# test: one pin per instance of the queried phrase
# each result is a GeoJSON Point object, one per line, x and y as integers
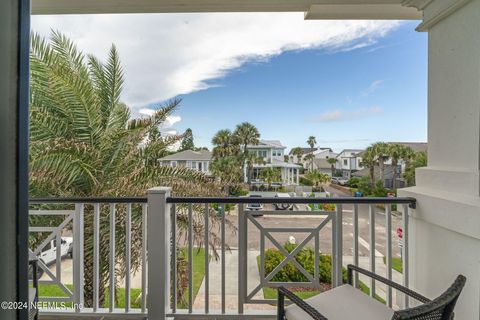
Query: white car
{"type": "Point", "coordinates": [49, 253]}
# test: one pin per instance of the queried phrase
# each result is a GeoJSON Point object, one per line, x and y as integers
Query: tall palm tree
{"type": "Point", "coordinates": [332, 162]}
{"type": "Point", "coordinates": [246, 134]}
{"type": "Point", "coordinates": [309, 158]}
{"type": "Point", "coordinates": [84, 143]}
{"type": "Point", "coordinates": [311, 141]}
{"type": "Point", "coordinates": [225, 144]}
{"type": "Point", "coordinates": [396, 152]}
{"type": "Point", "coordinates": [298, 152]}
{"type": "Point", "coordinates": [369, 160]}
{"type": "Point", "coordinates": [382, 153]}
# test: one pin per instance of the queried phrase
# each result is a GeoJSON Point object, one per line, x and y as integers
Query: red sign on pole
{"type": "Point", "coordinates": [400, 233]}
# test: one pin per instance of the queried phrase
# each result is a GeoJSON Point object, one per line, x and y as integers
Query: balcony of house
{"type": "Point", "coordinates": [211, 258]}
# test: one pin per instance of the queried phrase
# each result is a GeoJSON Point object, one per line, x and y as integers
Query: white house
{"type": "Point", "coordinates": [197, 160]}
{"type": "Point", "coordinates": [272, 152]}
{"type": "Point", "coordinates": [321, 153]}
{"type": "Point", "coordinates": [349, 161]}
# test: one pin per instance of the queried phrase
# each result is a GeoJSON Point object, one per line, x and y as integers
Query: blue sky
{"type": "Point", "coordinates": [349, 83]}
{"type": "Point", "coordinates": [346, 99]}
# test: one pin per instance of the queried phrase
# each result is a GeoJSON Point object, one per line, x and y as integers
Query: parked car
{"type": "Point", "coordinates": [48, 255]}
{"type": "Point", "coordinates": [255, 206]}
{"type": "Point", "coordinates": [283, 206]}
{"type": "Point", "coordinates": [339, 180]}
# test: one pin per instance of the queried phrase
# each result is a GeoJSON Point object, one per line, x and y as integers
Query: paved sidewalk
{"type": "Point", "coordinates": [231, 283]}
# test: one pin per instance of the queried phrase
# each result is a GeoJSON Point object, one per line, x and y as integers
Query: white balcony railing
{"type": "Point", "coordinates": [164, 223]}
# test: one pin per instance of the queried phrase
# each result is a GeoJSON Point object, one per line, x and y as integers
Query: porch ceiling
{"type": "Point", "coordinates": [314, 9]}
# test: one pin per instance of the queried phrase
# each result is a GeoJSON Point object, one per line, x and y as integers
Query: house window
{"type": "Point", "coordinates": [345, 162]}
{"type": "Point", "coordinates": [173, 163]}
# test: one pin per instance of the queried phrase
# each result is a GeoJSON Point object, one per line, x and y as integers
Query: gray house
{"type": "Point", "coordinates": [197, 160]}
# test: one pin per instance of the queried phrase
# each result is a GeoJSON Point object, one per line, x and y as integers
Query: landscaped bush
{"type": "Point", "coordinates": [305, 182]}
{"type": "Point", "coordinates": [353, 182]}
{"type": "Point", "coordinates": [306, 258]}
{"type": "Point", "coordinates": [238, 190]}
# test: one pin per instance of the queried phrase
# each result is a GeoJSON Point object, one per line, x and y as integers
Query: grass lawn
{"type": "Point", "coordinates": [198, 275]}
{"type": "Point", "coordinates": [51, 290]}
{"type": "Point", "coordinates": [396, 264]}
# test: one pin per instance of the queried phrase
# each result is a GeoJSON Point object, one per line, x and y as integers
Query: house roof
{"type": "Point", "coordinates": [189, 155]}
{"type": "Point", "coordinates": [416, 146]}
{"type": "Point", "coordinates": [267, 144]}
{"type": "Point", "coordinates": [321, 163]}
{"type": "Point", "coordinates": [357, 152]}
{"type": "Point", "coordinates": [304, 150]}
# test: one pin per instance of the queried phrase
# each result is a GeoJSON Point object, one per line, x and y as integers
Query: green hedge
{"type": "Point", "coordinates": [306, 258]}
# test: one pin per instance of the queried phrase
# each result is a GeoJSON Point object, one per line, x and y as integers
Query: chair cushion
{"type": "Point", "coordinates": [342, 303]}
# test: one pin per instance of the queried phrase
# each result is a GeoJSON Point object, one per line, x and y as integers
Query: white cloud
{"type": "Point", "coordinates": [374, 86]}
{"type": "Point", "coordinates": [342, 115]}
{"type": "Point", "coordinates": [169, 54]}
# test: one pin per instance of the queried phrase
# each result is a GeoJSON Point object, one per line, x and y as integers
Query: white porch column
{"type": "Point", "coordinates": [445, 227]}
{"type": "Point", "coordinates": [298, 182]}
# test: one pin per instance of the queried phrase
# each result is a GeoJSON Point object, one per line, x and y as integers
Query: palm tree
{"type": "Point", "coordinates": [369, 160]}
{"type": "Point", "coordinates": [396, 152]}
{"type": "Point", "coordinates": [246, 134]}
{"type": "Point", "coordinates": [228, 170]}
{"type": "Point", "coordinates": [317, 177]}
{"type": "Point", "coordinates": [381, 152]}
{"type": "Point", "coordinates": [83, 143]}
{"type": "Point", "coordinates": [419, 160]}
{"type": "Point", "coordinates": [270, 175]}
{"type": "Point", "coordinates": [332, 162]}
{"type": "Point", "coordinates": [311, 141]}
{"type": "Point", "coordinates": [298, 152]}
{"type": "Point", "coordinates": [309, 158]}
{"type": "Point", "coordinates": [187, 142]}
{"type": "Point", "coordinates": [225, 144]}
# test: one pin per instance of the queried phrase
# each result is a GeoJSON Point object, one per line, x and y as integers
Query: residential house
{"type": "Point", "coordinates": [319, 153]}
{"type": "Point", "coordinates": [349, 161]}
{"type": "Point", "coordinates": [388, 168]}
{"type": "Point", "coordinates": [272, 152]}
{"type": "Point", "coordinates": [197, 160]}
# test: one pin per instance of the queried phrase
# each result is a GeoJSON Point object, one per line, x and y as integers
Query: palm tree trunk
{"type": "Point", "coordinates": [394, 182]}
{"type": "Point", "coordinates": [382, 171]}
{"type": "Point", "coordinates": [372, 176]}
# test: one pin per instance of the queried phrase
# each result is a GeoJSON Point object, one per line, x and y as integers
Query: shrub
{"type": "Point", "coordinates": [353, 182]}
{"type": "Point", "coordinates": [238, 190]}
{"type": "Point", "coordinates": [305, 257]}
{"type": "Point", "coordinates": [305, 182]}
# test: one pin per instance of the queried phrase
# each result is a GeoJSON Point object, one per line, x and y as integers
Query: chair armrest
{"type": "Point", "coordinates": [282, 292]}
{"type": "Point", "coordinates": [390, 283]}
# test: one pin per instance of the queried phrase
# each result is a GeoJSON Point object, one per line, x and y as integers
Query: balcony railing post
{"type": "Point", "coordinates": [78, 277]}
{"type": "Point", "coordinates": [158, 250]}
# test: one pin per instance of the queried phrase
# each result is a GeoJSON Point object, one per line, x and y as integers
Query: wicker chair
{"type": "Point", "coordinates": [346, 302]}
